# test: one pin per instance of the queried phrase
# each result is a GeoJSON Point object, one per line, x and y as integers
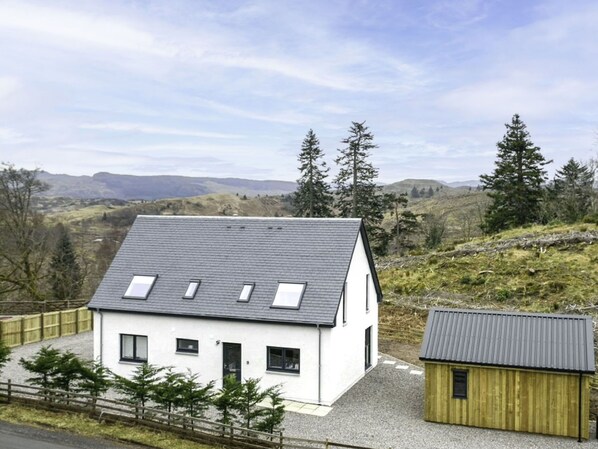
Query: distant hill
{"type": "Point", "coordinates": [469, 183]}
{"type": "Point", "coordinates": [406, 185]}
{"type": "Point", "coordinates": [127, 187]}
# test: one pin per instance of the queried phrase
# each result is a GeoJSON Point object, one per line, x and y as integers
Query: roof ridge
{"type": "Point", "coordinates": [228, 217]}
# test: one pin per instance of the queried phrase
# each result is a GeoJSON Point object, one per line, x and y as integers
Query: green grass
{"type": "Point", "coordinates": [81, 425]}
{"type": "Point", "coordinates": [526, 279]}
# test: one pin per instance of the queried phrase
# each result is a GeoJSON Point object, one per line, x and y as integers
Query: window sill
{"type": "Point", "coordinates": [194, 354]}
{"type": "Point", "coordinates": [284, 373]}
{"type": "Point", "coordinates": [131, 362]}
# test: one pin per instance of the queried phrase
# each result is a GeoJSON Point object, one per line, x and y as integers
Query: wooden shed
{"type": "Point", "coordinates": [512, 371]}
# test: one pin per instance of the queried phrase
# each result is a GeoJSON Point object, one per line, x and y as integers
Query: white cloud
{"type": "Point", "coordinates": [77, 28]}
{"type": "Point", "coordinates": [150, 129]}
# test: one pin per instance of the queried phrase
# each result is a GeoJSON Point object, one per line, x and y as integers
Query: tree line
{"type": "Point", "coordinates": [244, 404]}
{"type": "Point", "coordinates": [519, 190]}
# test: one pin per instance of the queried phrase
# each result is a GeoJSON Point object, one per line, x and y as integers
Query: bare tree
{"type": "Point", "coordinates": [23, 241]}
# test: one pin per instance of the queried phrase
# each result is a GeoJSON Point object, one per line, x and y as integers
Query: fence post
{"type": "Point", "coordinates": [231, 431]}
{"type": "Point", "coordinates": [22, 330]}
{"type": "Point", "coordinates": [1, 331]}
{"type": "Point", "coordinates": [327, 443]}
{"type": "Point", "coordinates": [76, 321]}
{"type": "Point", "coordinates": [8, 390]}
{"type": "Point", "coordinates": [281, 439]}
{"type": "Point", "coordinates": [42, 325]}
{"type": "Point", "coordinates": [60, 323]}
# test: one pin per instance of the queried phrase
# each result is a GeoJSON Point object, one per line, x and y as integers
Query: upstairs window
{"type": "Point", "coordinates": [192, 289]}
{"type": "Point", "coordinates": [246, 292]}
{"type": "Point", "coordinates": [140, 287]}
{"type": "Point", "coordinates": [288, 295]}
{"type": "Point", "coordinates": [367, 292]}
{"type": "Point", "coordinates": [345, 304]}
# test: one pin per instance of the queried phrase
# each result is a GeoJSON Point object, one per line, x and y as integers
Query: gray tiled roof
{"type": "Point", "coordinates": [523, 340]}
{"type": "Point", "coordinates": [225, 252]}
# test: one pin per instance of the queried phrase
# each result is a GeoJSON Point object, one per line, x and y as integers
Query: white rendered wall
{"type": "Point", "coordinates": [162, 332]}
{"type": "Point", "coordinates": [343, 359]}
{"type": "Point", "coordinates": [342, 349]}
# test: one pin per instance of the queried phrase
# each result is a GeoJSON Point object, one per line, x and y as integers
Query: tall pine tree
{"type": "Point", "coordinates": [515, 186]}
{"type": "Point", "coordinates": [572, 191]}
{"type": "Point", "coordinates": [65, 273]}
{"type": "Point", "coordinates": [313, 197]}
{"type": "Point", "coordinates": [357, 192]}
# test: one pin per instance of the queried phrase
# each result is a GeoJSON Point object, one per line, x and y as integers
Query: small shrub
{"type": "Point", "coordinates": [466, 280]}
{"type": "Point", "coordinates": [503, 294]}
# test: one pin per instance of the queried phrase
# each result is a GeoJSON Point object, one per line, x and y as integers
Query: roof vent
{"type": "Point", "coordinates": [228, 227]}
{"type": "Point", "coordinates": [270, 227]}
{"type": "Point", "coordinates": [241, 227]}
{"type": "Point", "coordinates": [280, 227]}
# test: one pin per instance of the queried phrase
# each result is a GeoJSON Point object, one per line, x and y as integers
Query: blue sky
{"type": "Point", "coordinates": [230, 88]}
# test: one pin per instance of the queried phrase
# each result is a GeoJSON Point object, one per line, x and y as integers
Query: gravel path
{"type": "Point", "coordinates": [80, 344]}
{"type": "Point", "coordinates": [384, 410]}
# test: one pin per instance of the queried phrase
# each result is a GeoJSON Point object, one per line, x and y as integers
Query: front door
{"type": "Point", "coordinates": [368, 347]}
{"type": "Point", "coordinates": [231, 356]}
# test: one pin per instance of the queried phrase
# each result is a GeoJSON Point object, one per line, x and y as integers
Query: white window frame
{"type": "Point", "coordinates": [191, 295]}
{"type": "Point", "coordinates": [248, 290]}
{"type": "Point", "coordinates": [148, 280]}
{"type": "Point", "coordinates": [279, 291]}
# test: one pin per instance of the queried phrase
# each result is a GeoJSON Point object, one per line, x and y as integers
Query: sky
{"type": "Point", "coordinates": [230, 88]}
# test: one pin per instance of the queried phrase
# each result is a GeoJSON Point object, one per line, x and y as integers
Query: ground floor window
{"type": "Point", "coordinates": [283, 359]}
{"type": "Point", "coordinates": [460, 384]}
{"type": "Point", "coordinates": [186, 345]}
{"type": "Point", "coordinates": [133, 348]}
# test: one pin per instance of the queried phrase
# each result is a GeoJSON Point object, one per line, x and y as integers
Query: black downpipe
{"type": "Point", "coordinates": [319, 364]}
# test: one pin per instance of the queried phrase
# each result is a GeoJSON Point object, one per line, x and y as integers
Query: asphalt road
{"type": "Point", "coordinates": [14, 436]}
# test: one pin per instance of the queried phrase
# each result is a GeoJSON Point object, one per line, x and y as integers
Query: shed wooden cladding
{"type": "Point", "coordinates": [509, 399]}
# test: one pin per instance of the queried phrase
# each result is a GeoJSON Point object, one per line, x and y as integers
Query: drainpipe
{"type": "Point", "coordinates": [579, 412]}
{"type": "Point", "coordinates": [319, 364]}
{"type": "Point", "coordinates": [101, 336]}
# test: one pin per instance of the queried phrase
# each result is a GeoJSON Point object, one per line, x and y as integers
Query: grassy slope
{"type": "Point", "coordinates": [82, 425]}
{"type": "Point", "coordinates": [561, 278]}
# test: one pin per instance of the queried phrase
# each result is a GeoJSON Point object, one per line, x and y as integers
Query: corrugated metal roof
{"type": "Point", "coordinates": [524, 340]}
{"type": "Point", "coordinates": [226, 252]}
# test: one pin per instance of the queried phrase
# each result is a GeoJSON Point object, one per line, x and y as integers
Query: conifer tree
{"type": "Point", "coordinates": [572, 190]}
{"type": "Point", "coordinates": [414, 192]}
{"type": "Point", "coordinates": [65, 272]}
{"type": "Point", "coordinates": [313, 197]}
{"type": "Point", "coordinates": [515, 186]}
{"type": "Point", "coordinates": [357, 192]}
{"type": "Point", "coordinates": [4, 354]}
{"type": "Point", "coordinates": [274, 413]}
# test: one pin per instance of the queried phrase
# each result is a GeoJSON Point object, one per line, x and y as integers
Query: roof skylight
{"type": "Point", "coordinates": [288, 295]}
{"type": "Point", "coordinates": [246, 293]}
{"type": "Point", "coordinates": [191, 289]}
{"type": "Point", "coordinates": [140, 287]}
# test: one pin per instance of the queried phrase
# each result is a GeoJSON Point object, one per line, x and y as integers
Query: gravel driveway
{"type": "Point", "coordinates": [384, 410]}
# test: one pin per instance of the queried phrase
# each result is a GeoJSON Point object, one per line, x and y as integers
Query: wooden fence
{"type": "Point", "coordinates": [194, 429]}
{"type": "Point", "coordinates": [401, 334]}
{"type": "Point", "coordinates": [30, 307]}
{"type": "Point", "coordinates": [44, 326]}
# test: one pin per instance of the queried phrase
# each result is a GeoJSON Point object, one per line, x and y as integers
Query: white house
{"type": "Point", "coordinates": [293, 301]}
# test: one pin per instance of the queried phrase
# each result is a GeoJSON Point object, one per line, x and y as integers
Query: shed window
{"type": "Point", "coordinates": [246, 292]}
{"type": "Point", "coordinates": [191, 289]}
{"type": "Point", "coordinates": [283, 359]}
{"type": "Point", "coordinates": [459, 384]}
{"type": "Point", "coordinates": [186, 345]}
{"type": "Point", "coordinates": [140, 287]}
{"type": "Point", "coordinates": [288, 295]}
{"type": "Point", "coordinates": [133, 348]}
